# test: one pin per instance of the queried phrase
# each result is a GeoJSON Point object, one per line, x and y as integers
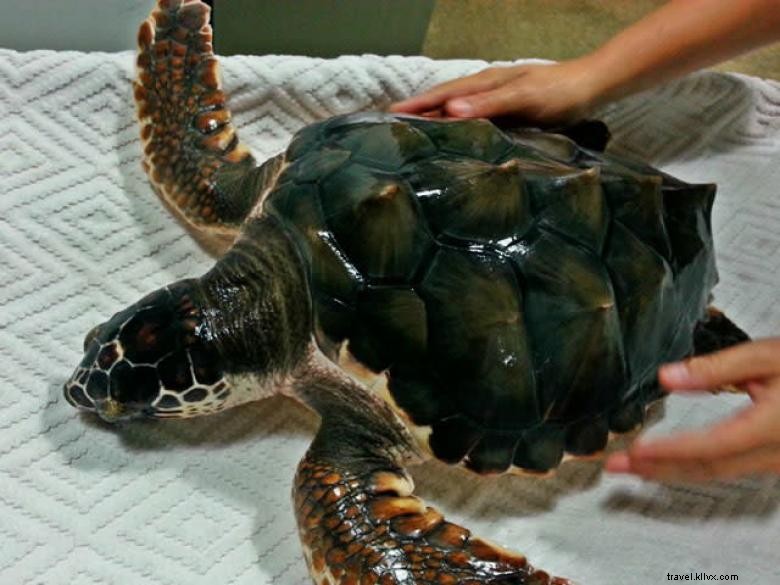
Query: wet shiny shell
{"type": "Point", "coordinates": [520, 293]}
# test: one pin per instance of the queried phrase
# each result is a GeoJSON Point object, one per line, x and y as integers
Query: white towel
{"type": "Point", "coordinates": [207, 501]}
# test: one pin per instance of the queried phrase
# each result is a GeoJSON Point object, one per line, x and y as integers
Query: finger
{"type": "Point", "coordinates": [438, 95]}
{"type": "Point", "coordinates": [765, 459]}
{"type": "Point", "coordinates": [503, 100]}
{"type": "Point", "coordinates": [746, 430]}
{"type": "Point", "coordinates": [663, 469]}
{"type": "Point", "coordinates": [762, 391]}
{"type": "Point", "coordinates": [619, 462]}
{"type": "Point", "coordinates": [735, 435]}
{"type": "Point", "coordinates": [690, 471]}
{"type": "Point", "coordinates": [744, 362]}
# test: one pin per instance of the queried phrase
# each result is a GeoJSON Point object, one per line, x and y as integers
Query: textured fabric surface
{"type": "Point", "coordinates": [207, 501]}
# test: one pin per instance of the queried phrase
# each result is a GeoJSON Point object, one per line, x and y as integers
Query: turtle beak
{"type": "Point", "coordinates": [112, 411]}
{"type": "Point", "coordinates": [108, 409]}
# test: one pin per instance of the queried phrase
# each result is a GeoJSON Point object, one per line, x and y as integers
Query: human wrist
{"type": "Point", "coordinates": [601, 79]}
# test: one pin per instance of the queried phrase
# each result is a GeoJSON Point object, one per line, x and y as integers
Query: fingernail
{"type": "Point", "coordinates": [676, 373]}
{"type": "Point", "coordinates": [618, 463]}
{"type": "Point", "coordinates": [460, 108]}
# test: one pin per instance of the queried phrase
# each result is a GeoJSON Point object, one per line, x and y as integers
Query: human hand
{"type": "Point", "coordinates": [545, 94]}
{"type": "Point", "coordinates": [748, 442]}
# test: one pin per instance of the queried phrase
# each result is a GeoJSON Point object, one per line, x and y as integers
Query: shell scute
{"type": "Point", "coordinates": [476, 138]}
{"type": "Point", "coordinates": [346, 122]}
{"type": "Point", "coordinates": [307, 139]}
{"type": "Point", "coordinates": [518, 293]}
{"type": "Point", "coordinates": [477, 338]}
{"type": "Point", "coordinates": [377, 221]}
{"type": "Point", "coordinates": [316, 165]}
{"type": "Point", "coordinates": [572, 317]}
{"type": "Point", "coordinates": [334, 322]}
{"type": "Point", "coordinates": [533, 143]}
{"type": "Point", "coordinates": [540, 448]}
{"type": "Point", "coordinates": [453, 437]}
{"type": "Point", "coordinates": [644, 286]}
{"type": "Point", "coordinates": [587, 436]}
{"type": "Point", "coordinates": [388, 145]}
{"type": "Point", "coordinates": [331, 272]}
{"type": "Point", "coordinates": [628, 416]}
{"type": "Point", "coordinates": [570, 201]}
{"type": "Point", "coordinates": [472, 200]}
{"type": "Point", "coordinates": [687, 210]}
{"type": "Point", "coordinates": [391, 328]}
{"type": "Point", "coordinates": [420, 393]}
{"type": "Point", "coordinates": [637, 202]}
{"type": "Point", "coordinates": [493, 453]}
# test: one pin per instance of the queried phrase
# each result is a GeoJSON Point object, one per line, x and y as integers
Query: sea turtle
{"type": "Point", "coordinates": [428, 287]}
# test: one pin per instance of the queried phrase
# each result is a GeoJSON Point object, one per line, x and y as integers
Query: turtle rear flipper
{"type": "Point", "coordinates": [716, 332]}
{"type": "Point", "coordinates": [191, 150]}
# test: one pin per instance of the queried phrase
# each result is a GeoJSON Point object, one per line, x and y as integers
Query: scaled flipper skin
{"type": "Point", "coordinates": [192, 154]}
{"type": "Point", "coordinates": [357, 517]}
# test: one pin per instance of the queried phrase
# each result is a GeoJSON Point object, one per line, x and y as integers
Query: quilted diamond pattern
{"type": "Point", "coordinates": [205, 501]}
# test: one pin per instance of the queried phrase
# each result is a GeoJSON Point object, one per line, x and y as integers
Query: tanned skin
{"type": "Point", "coordinates": [678, 38]}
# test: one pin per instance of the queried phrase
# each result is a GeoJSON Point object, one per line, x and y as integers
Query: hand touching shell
{"type": "Point", "coordinates": [544, 94]}
{"type": "Point", "coordinates": [746, 443]}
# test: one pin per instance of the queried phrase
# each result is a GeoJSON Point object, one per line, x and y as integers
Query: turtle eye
{"type": "Point", "coordinates": [93, 333]}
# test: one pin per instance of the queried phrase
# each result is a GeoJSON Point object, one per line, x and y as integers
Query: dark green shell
{"type": "Point", "coordinates": [520, 292]}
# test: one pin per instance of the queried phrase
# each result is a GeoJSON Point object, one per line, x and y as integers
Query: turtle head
{"type": "Point", "coordinates": [155, 358]}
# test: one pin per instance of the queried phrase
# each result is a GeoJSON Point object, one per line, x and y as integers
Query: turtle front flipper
{"type": "Point", "coordinates": [191, 150]}
{"type": "Point", "coordinates": [357, 517]}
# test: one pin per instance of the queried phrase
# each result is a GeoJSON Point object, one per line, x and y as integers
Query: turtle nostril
{"type": "Point", "coordinates": [90, 336]}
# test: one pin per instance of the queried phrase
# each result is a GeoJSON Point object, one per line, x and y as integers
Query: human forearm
{"type": "Point", "coordinates": [680, 37]}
